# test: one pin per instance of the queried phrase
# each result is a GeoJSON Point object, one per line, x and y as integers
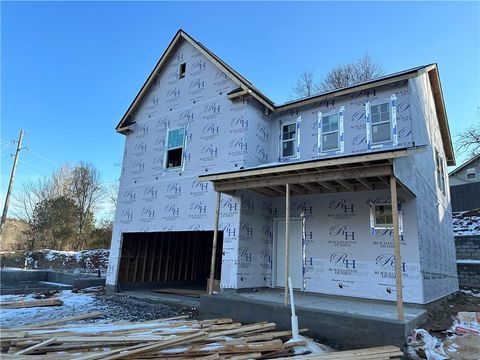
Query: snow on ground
{"type": "Point", "coordinates": [466, 222]}
{"type": "Point", "coordinates": [73, 304]}
{"type": "Point", "coordinates": [468, 262]}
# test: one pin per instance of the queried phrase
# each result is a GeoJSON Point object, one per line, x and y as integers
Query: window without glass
{"type": "Point", "coordinates": [471, 174]}
{"type": "Point", "coordinates": [183, 70]}
{"type": "Point", "coordinates": [383, 218]}
{"type": "Point", "coordinates": [381, 123]}
{"type": "Point", "coordinates": [175, 144]}
{"type": "Point", "coordinates": [289, 140]}
{"type": "Point", "coordinates": [330, 132]}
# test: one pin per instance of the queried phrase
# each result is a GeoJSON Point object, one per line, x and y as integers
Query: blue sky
{"type": "Point", "coordinates": [69, 70]}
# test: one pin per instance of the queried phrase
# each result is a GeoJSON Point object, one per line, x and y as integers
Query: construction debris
{"type": "Point", "coordinates": [28, 304]}
{"type": "Point", "coordinates": [174, 338]}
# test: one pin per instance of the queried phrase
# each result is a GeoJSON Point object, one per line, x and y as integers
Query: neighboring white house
{"type": "Point", "coordinates": [197, 127]}
{"type": "Point", "coordinates": [468, 172]}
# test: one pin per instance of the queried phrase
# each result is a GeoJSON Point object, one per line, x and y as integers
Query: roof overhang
{"type": "Point", "coordinates": [349, 173]}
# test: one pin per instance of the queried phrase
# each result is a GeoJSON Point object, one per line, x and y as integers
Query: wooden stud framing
{"type": "Point", "coordinates": [327, 186]}
{"type": "Point", "coordinates": [365, 183]}
{"type": "Point", "coordinates": [214, 245]}
{"type": "Point", "coordinates": [287, 237]}
{"type": "Point", "coordinates": [346, 185]}
{"type": "Point", "coordinates": [396, 239]}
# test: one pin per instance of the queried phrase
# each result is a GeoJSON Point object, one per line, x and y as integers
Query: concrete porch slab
{"type": "Point", "coordinates": [340, 322]}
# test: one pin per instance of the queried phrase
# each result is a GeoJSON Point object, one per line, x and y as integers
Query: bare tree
{"type": "Point", "coordinates": [87, 191]}
{"type": "Point", "coordinates": [340, 76]}
{"type": "Point", "coordinates": [468, 141]}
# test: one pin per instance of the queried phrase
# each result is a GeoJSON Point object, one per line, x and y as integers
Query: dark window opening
{"type": "Point", "coordinates": [174, 158]}
{"type": "Point", "coordinates": [183, 70]}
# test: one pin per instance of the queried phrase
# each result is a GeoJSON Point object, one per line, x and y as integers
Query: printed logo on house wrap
{"type": "Point", "coordinates": [138, 166]}
{"type": "Point", "coordinates": [172, 76]}
{"type": "Point", "coordinates": [385, 266]}
{"type": "Point", "coordinates": [269, 209]}
{"type": "Point", "coordinates": [238, 124]}
{"type": "Point", "coordinates": [141, 131]}
{"type": "Point", "coordinates": [173, 94]}
{"type": "Point", "coordinates": [150, 193]}
{"type": "Point", "coordinates": [128, 196]}
{"type": "Point", "coordinates": [211, 110]}
{"type": "Point", "coordinates": [196, 86]}
{"type": "Point", "coordinates": [197, 67]}
{"type": "Point", "coordinates": [173, 190]}
{"type": "Point", "coordinates": [157, 162]}
{"type": "Point", "coordinates": [140, 148]}
{"type": "Point", "coordinates": [237, 146]}
{"type": "Point", "coordinates": [229, 230]}
{"type": "Point", "coordinates": [248, 207]}
{"type": "Point", "coordinates": [342, 236]}
{"type": "Point", "coordinates": [126, 216]}
{"type": "Point", "coordinates": [198, 209]}
{"type": "Point", "coordinates": [340, 209]}
{"type": "Point", "coordinates": [261, 153]}
{"type": "Point", "coordinates": [209, 152]}
{"type": "Point", "coordinates": [342, 263]}
{"type": "Point", "coordinates": [186, 117]}
{"type": "Point", "coordinates": [262, 132]}
{"type": "Point", "coordinates": [195, 227]}
{"type": "Point", "coordinates": [228, 207]}
{"type": "Point", "coordinates": [302, 208]}
{"type": "Point", "coordinates": [246, 231]}
{"type": "Point", "coordinates": [210, 131]}
{"type": "Point", "coordinates": [147, 214]}
{"type": "Point", "coordinates": [199, 188]}
{"type": "Point", "coordinates": [220, 78]}
{"type": "Point", "coordinates": [162, 125]}
{"type": "Point", "coordinates": [171, 212]}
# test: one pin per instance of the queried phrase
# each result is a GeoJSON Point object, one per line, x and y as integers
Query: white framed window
{"type": "Point", "coordinates": [381, 123]}
{"type": "Point", "coordinates": [175, 147]}
{"type": "Point", "coordinates": [471, 174]}
{"type": "Point", "coordinates": [382, 216]}
{"type": "Point", "coordinates": [330, 135]}
{"type": "Point", "coordinates": [440, 171]}
{"type": "Point", "coordinates": [288, 146]}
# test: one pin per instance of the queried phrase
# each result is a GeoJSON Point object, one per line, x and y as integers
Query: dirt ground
{"type": "Point", "coordinates": [441, 318]}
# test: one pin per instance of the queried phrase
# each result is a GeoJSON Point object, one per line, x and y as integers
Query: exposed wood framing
{"type": "Point", "coordinates": [346, 185]}
{"type": "Point", "coordinates": [287, 237]}
{"type": "Point", "coordinates": [365, 183]}
{"type": "Point", "coordinates": [214, 247]}
{"type": "Point", "coordinates": [314, 177]}
{"type": "Point", "coordinates": [396, 239]}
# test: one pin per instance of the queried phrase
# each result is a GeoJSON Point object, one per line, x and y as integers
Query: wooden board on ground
{"type": "Point", "coordinates": [182, 292]}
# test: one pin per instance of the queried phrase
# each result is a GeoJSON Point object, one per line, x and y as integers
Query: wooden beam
{"type": "Point", "coordinates": [214, 245]}
{"type": "Point", "coordinates": [396, 240]}
{"type": "Point", "coordinates": [327, 186]}
{"type": "Point", "coordinates": [312, 187]}
{"type": "Point", "coordinates": [346, 185]}
{"type": "Point", "coordinates": [384, 181]}
{"type": "Point", "coordinates": [313, 165]}
{"type": "Point", "coordinates": [287, 225]}
{"type": "Point", "coordinates": [326, 175]}
{"type": "Point", "coordinates": [364, 183]}
{"type": "Point", "coordinates": [267, 191]}
{"type": "Point", "coordinates": [296, 189]}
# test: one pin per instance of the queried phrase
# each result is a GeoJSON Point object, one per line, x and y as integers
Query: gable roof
{"type": "Point", "coordinates": [465, 164]}
{"type": "Point", "coordinates": [245, 87]}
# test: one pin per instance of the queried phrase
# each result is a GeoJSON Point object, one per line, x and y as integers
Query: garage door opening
{"type": "Point", "coordinates": [179, 260]}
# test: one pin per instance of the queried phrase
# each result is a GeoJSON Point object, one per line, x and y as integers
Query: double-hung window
{"type": "Point", "coordinates": [289, 140]}
{"type": "Point", "coordinates": [440, 171]}
{"type": "Point", "coordinates": [381, 124]}
{"type": "Point", "coordinates": [330, 132]}
{"type": "Point", "coordinates": [175, 145]}
{"type": "Point", "coordinates": [382, 216]}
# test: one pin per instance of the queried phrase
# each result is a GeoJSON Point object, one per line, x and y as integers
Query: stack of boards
{"type": "Point", "coordinates": [176, 338]}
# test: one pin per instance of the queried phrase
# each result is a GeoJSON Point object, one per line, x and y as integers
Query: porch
{"type": "Point", "coordinates": [343, 322]}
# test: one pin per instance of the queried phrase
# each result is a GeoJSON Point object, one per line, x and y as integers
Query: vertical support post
{"type": "Point", "coordinates": [214, 245]}
{"type": "Point", "coordinates": [396, 239]}
{"type": "Point", "coordinates": [287, 237]}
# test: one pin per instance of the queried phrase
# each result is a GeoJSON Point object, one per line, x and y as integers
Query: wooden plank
{"type": "Point", "coordinates": [287, 237]}
{"type": "Point", "coordinates": [169, 240]}
{"type": "Point", "coordinates": [34, 303]}
{"type": "Point", "coordinates": [315, 165]}
{"type": "Point", "coordinates": [365, 183]}
{"type": "Point", "coordinates": [327, 186]}
{"type": "Point", "coordinates": [137, 255]}
{"type": "Point", "coordinates": [318, 176]}
{"type": "Point", "coordinates": [396, 241]}
{"type": "Point", "coordinates": [160, 257]}
{"type": "Point", "coordinates": [214, 245]}
{"type": "Point", "coordinates": [145, 253]}
{"type": "Point", "coordinates": [152, 263]}
{"type": "Point", "coordinates": [346, 185]}
{"type": "Point", "coordinates": [91, 315]}
{"type": "Point", "coordinates": [35, 347]}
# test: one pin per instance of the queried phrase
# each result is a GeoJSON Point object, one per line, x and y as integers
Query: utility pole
{"type": "Point", "coordinates": [10, 184]}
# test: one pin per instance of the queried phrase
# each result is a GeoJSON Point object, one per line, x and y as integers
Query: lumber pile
{"type": "Point", "coordinates": [174, 338]}
{"type": "Point", "coordinates": [34, 303]}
